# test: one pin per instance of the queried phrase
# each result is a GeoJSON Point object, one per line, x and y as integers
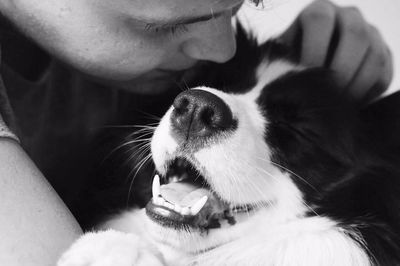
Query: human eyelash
{"type": "Point", "coordinates": [166, 29]}
{"type": "Point", "coordinates": [257, 3]}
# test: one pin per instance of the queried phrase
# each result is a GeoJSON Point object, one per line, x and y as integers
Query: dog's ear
{"type": "Point", "coordinates": [247, 47]}
{"type": "Point", "coordinates": [382, 120]}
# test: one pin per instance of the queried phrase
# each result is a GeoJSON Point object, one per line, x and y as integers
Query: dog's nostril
{"type": "Point", "coordinates": [181, 105]}
{"type": "Point", "coordinates": [198, 113]}
{"type": "Point", "coordinates": [207, 116]}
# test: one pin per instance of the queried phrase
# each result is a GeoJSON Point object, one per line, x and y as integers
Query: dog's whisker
{"type": "Point", "coordinates": [147, 126]}
{"type": "Point", "coordinates": [139, 152]}
{"type": "Point", "coordinates": [140, 139]}
{"type": "Point", "coordinates": [118, 126]}
{"type": "Point", "coordinates": [150, 116]}
{"type": "Point", "coordinates": [256, 188]}
{"type": "Point", "coordinates": [135, 150]}
{"type": "Point", "coordinates": [183, 85]}
{"type": "Point", "coordinates": [136, 144]}
{"type": "Point", "coordinates": [136, 161]}
{"type": "Point", "coordinates": [141, 131]}
{"type": "Point", "coordinates": [141, 164]}
{"type": "Point", "coordinates": [289, 171]}
{"type": "Point", "coordinates": [134, 141]}
{"type": "Point", "coordinates": [137, 156]}
{"type": "Point", "coordinates": [153, 125]}
{"type": "Point", "coordinates": [124, 145]}
{"type": "Point", "coordinates": [235, 180]}
{"type": "Point", "coordinates": [142, 135]}
{"type": "Point", "coordinates": [298, 197]}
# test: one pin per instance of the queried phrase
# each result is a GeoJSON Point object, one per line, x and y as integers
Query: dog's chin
{"type": "Point", "coordinates": [190, 240]}
{"type": "Point", "coordinates": [197, 241]}
{"type": "Point", "coordinates": [187, 207]}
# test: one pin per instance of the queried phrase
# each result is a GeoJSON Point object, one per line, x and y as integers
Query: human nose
{"type": "Point", "coordinates": [213, 40]}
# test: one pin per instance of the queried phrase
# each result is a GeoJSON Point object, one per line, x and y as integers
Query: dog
{"type": "Point", "coordinates": [264, 163]}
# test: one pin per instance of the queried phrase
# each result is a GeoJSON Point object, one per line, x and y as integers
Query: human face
{"type": "Point", "coordinates": [131, 40]}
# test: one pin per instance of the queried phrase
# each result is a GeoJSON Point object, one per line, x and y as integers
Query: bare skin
{"type": "Point", "coordinates": [35, 224]}
{"type": "Point", "coordinates": [130, 42]}
{"type": "Point", "coordinates": [138, 45]}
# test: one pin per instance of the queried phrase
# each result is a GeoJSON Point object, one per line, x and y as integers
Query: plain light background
{"type": "Point", "coordinates": [279, 14]}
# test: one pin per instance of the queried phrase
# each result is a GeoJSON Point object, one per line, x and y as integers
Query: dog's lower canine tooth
{"type": "Point", "coordinates": [156, 186]}
{"type": "Point", "coordinates": [158, 200]}
{"type": "Point", "coordinates": [174, 179]}
{"type": "Point", "coordinates": [195, 209]}
{"type": "Point", "coordinates": [185, 211]}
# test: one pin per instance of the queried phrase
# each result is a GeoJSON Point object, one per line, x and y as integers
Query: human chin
{"type": "Point", "coordinates": [141, 80]}
{"type": "Point", "coordinates": [150, 83]}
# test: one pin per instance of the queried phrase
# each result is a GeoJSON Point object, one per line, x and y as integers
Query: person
{"type": "Point", "coordinates": [67, 66]}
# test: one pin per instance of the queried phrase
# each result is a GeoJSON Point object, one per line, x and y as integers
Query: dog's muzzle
{"type": "Point", "coordinates": [184, 197]}
{"type": "Point", "coordinates": [199, 115]}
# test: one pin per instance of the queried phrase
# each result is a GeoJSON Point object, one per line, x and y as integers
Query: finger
{"type": "Point", "coordinates": [289, 36]}
{"type": "Point", "coordinates": [387, 71]}
{"type": "Point", "coordinates": [383, 83]}
{"type": "Point", "coordinates": [318, 24]}
{"type": "Point", "coordinates": [352, 46]}
{"type": "Point", "coordinates": [375, 72]}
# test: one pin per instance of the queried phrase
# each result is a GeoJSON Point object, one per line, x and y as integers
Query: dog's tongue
{"type": "Point", "coordinates": [183, 193]}
{"type": "Point", "coordinates": [188, 195]}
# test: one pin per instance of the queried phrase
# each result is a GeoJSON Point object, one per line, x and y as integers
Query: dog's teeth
{"type": "Point", "coordinates": [195, 209]}
{"type": "Point", "coordinates": [156, 186]}
{"type": "Point", "coordinates": [177, 208]}
{"type": "Point", "coordinates": [158, 200]}
{"type": "Point", "coordinates": [155, 201]}
{"type": "Point", "coordinates": [184, 176]}
{"type": "Point", "coordinates": [174, 179]}
{"type": "Point", "coordinates": [185, 211]}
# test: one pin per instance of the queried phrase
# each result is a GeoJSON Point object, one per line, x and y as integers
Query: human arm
{"type": "Point", "coordinates": [340, 39]}
{"type": "Point", "coordinates": [35, 225]}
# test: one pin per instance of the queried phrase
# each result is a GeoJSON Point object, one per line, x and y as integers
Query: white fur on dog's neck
{"type": "Point", "coordinates": [302, 241]}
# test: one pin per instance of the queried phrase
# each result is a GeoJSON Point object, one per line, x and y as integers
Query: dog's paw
{"type": "Point", "coordinates": [111, 248]}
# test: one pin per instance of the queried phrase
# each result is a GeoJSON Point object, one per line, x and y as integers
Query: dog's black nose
{"type": "Point", "coordinates": [198, 114]}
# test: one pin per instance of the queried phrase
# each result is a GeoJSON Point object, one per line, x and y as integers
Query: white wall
{"type": "Point", "coordinates": [384, 14]}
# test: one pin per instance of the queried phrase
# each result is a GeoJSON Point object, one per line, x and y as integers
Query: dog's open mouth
{"type": "Point", "coordinates": [185, 200]}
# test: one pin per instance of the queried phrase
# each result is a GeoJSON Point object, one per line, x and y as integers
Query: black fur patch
{"type": "Point", "coordinates": [345, 170]}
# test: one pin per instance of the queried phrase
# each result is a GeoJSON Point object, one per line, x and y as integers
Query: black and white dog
{"type": "Point", "coordinates": [268, 164]}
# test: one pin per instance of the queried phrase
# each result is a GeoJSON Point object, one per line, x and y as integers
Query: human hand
{"type": "Point", "coordinates": [339, 38]}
